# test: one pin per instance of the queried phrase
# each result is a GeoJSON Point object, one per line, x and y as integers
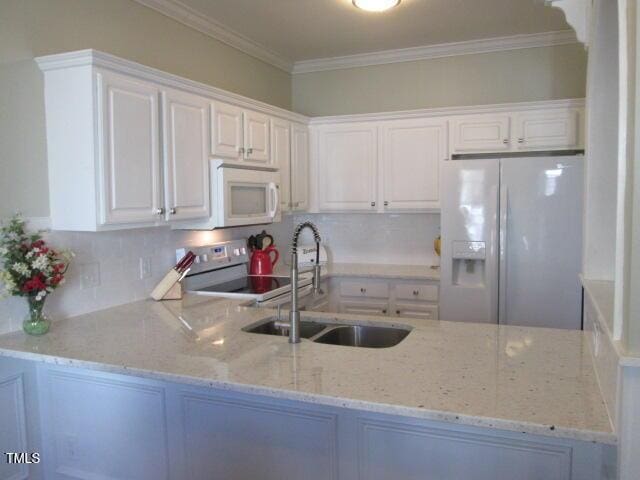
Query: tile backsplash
{"type": "Point", "coordinates": [106, 270]}
{"type": "Point", "coordinates": [403, 239]}
{"type": "Point", "coordinates": [111, 262]}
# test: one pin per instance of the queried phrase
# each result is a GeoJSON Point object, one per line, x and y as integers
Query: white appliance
{"type": "Point", "coordinates": [512, 240]}
{"type": "Point", "coordinates": [240, 195]}
{"type": "Point", "coordinates": [221, 270]}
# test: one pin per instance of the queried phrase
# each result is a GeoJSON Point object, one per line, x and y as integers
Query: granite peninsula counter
{"type": "Point", "coordinates": [526, 380]}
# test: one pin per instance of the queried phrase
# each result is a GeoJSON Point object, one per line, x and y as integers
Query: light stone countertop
{"type": "Point", "coordinates": [370, 270]}
{"type": "Point", "coordinates": [531, 380]}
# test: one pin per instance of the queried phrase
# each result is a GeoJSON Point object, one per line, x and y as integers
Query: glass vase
{"type": "Point", "coordinates": [36, 322]}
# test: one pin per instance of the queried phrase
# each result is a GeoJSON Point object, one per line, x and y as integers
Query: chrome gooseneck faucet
{"type": "Point", "coordinates": [294, 313]}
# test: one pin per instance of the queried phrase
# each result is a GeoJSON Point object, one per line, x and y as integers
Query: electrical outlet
{"type": "Point", "coordinates": [145, 267]}
{"type": "Point", "coordinates": [90, 275]}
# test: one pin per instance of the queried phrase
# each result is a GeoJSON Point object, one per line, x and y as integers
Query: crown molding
{"type": "Point", "coordinates": [96, 58]}
{"type": "Point", "coordinates": [427, 52]}
{"type": "Point", "coordinates": [448, 111]}
{"type": "Point", "coordinates": [188, 16]}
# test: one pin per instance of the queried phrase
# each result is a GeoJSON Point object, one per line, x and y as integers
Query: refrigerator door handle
{"type": "Point", "coordinates": [502, 280]}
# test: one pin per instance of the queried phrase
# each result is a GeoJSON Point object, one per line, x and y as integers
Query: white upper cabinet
{"type": "Point", "coordinates": [186, 155]}
{"type": "Point", "coordinates": [547, 129]}
{"type": "Point", "coordinates": [299, 167]}
{"type": "Point", "coordinates": [128, 148]}
{"type": "Point", "coordinates": [411, 152]}
{"type": "Point", "coordinates": [226, 131]}
{"type": "Point", "coordinates": [256, 137]}
{"type": "Point", "coordinates": [480, 133]}
{"type": "Point", "coordinates": [281, 157]}
{"type": "Point", "coordinates": [347, 167]}
{"type": "Point", "coordinates": [240, 135]}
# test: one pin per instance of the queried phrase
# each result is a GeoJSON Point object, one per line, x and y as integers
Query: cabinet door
{"type": "Point", "coordinates": [299, 167]}
{"type": "Point", "coordinates": [130, 161]}
{"type": "Point", "coordinates": [347, 168]}
{"type": "Point", "coordinates": [186, 158]}
{"type": "Point", "coordinates": [226, 131]}
{"type": "Point", "coordinates": [547, 129]}
{"type": "Point", "coordinates": [281, 158]}
{"type": "Point", "coordinates": [480, 133]}
{"type": "Point", "coordinates": [256, 137]}
{"type": "Point", "coordinates": [412, 151]}
{"type": "Point", "coordinates": [415, 310]}
{"type": "Point", "coordinates": [364, 307]}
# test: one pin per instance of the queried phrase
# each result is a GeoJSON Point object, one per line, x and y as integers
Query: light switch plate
{"type": "Point", "coordinates": [90, 275]}
{"type": "Point", "coordinates": [145, 267]}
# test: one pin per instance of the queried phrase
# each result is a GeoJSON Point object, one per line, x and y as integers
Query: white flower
{"type": "Point", "coordinates": [22, 269]}
{"type": "Point", "coordinates": [40, 263]}
{"type": "Point", "coordinates": [30, 254]}
{"type": "Point", "coordinates": [41, 294]}
{"type": "Point", "coordinates": [13, 236]}
{"type": "Point", "coordinates": [3, 251]}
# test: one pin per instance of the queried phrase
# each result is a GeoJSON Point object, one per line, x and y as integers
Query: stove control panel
{"type": "Point", "coordinates": [219, 255]}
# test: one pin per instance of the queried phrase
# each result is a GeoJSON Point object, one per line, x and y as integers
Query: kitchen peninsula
{"type": "Point", "coordinates": [193, 384]}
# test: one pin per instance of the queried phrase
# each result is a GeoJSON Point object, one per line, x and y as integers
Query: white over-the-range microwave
{"type": "Point", "coordinates": [240, 195]}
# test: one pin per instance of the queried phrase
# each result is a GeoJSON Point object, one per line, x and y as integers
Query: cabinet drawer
{"type": "Point", "coordinates": [427, 293]}
{"type": "Point", "coordinates": [364, 289]}
{"type": "Point", "coordinates": [365, 308]}
{"type": "Point", "coordinates": [408, 310]}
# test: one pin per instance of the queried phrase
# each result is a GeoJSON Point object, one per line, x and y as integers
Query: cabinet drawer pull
{"type": "Point", "coordinates": [505, 141]}
{"type": "Point", "coordinates": [373, 204]}
{"type": "Point", "coordinates": [249, 151]}
{"type": "Point", "coordinates": [241, 150]}
{"type": "Point", "coordinates": [172, 211]}
{"type": "Point", "coordinates": [363, 290]}
{"type": "Point", "coordinates": [416, 292]}
{"type": "Point", "coordinates": [159, 211]}
{"type": "Point", "coordinates": [386, 204]}
{"type": "Point", "coordinates": [521, 140]}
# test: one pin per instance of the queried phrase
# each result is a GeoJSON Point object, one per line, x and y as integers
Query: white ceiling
{"type": "Point", "coordinates": [309, 29]}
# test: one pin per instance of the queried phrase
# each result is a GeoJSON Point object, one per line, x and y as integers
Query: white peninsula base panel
{"type": "Point", "coordinates": [102, 425]}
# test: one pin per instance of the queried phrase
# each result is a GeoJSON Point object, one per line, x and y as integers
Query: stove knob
{"type": "Point", "coordinates": [244, 251]}
{"type": "Point", "coordinates": [236, 252]}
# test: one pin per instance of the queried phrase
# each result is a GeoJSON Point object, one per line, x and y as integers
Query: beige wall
{"type": "Point", "coordinates": [511, 76]}
{"type": "Point", "coordinates": [29, 28]}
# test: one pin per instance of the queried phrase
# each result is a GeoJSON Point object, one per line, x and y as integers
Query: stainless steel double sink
{"type": "Point", "coordinates": [350, 335]}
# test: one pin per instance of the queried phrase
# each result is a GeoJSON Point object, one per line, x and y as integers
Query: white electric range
{"type": "Point", "coordinates": [222, 270]}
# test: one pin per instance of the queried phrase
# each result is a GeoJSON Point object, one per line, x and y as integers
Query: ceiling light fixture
{"type": "Point", "coordinates": [375, 5]}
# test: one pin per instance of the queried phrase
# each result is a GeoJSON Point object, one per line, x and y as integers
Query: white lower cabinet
{"type": "Point", "coordinates": [397, 298]}
{"type": "Point", "coordinates": [100, 425]}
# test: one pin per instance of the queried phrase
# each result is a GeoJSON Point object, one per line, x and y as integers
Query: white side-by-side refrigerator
{"type": "Point", "coordinates": [512, 240]}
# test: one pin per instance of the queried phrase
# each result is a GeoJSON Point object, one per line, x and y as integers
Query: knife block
{"type": "Point", "coordinates": [174, 293]}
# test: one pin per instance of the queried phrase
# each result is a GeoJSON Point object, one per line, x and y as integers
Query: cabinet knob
{"type": "Point", "coordinates": [160, 211]}
{"type": "Point", "coordinates": [397, 312]}
{"type": "Point", "coordinates": [172, 211]}
{"type": "Point", "coordinates": [416, 292]}
{"type": "Point", "coordinates": [505, 141]}
{"type": "Point", "coordinates": [384, 310]}
{"type": "Point", "coordinates": [363, 290]}
{"type": "Point", "coordinates": [373, 204]}
{"type": "Point", "coordinates": [386, 204]}
{"type": "Point", "coordinates": [241, 150]}
{"type": "Point", "coordinates": [249, 151]}
{"type": "Point", "coordinates": [521, 140]}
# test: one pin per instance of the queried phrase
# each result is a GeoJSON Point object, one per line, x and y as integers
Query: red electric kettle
{"type": "Point", "coordinates": [261, 263]}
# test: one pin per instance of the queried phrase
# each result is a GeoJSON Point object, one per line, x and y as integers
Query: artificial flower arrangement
{"type": "Point", "coordinates": [30, 269]}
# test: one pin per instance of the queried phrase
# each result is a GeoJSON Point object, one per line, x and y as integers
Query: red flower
{"type": "Point", "coordinates": [37, 282]}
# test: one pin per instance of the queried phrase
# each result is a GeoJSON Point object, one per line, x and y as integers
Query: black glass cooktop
{"type": "Point", "coordinates": [252, 284]}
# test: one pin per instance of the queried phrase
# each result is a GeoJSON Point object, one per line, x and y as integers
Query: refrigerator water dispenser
{"type": "Point", "coordinates": [468, 268]}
